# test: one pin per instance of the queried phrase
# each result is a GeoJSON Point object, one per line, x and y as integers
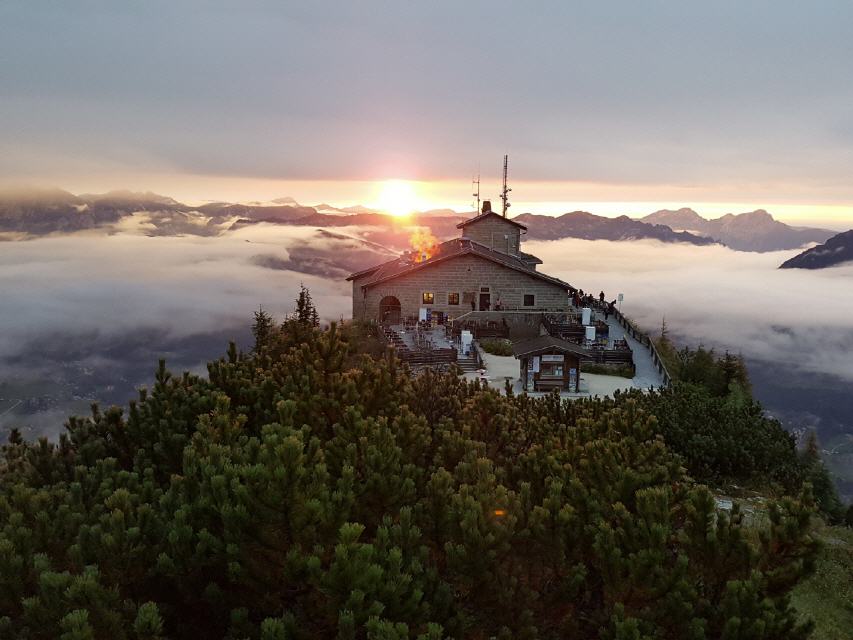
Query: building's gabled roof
{"type": "Point", "coordinates": [529, 258]}
{"type": "Point", "coordinates": [540, 344]}
{"type": "Point", "coordinates": [485, 215]}
{"type": "Point", "coordinates": [446, 251]}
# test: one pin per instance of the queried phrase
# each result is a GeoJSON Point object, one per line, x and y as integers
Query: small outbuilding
{"type": "Point", "coordinates": [548, 363]}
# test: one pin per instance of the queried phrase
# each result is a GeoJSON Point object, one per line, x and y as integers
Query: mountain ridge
{"type": "Point", "coordinates": [836, 250]}
{"type": "Point", "coordinates": [754, 230]}
{"type": "Point", "coordinates": [38, 212]}
{"type": "Point", "coordinates": [588, 226]}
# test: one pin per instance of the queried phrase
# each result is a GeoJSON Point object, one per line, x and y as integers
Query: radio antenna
{"type": "Point", "coordinates": [506, 189]}
{"type": "Point", "coordinates": [476, 194]}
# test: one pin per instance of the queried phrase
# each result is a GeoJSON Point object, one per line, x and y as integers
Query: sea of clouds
{"type": "Point", "coordinates": [113, 284]}
{"type": "Point", "coordinates": [718, 297]}
{"type": "Point", "coordinates": [114, 303]}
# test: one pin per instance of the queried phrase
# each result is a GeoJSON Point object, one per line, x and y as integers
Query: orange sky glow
{"type": "Point", "coordinates": [789, 203]}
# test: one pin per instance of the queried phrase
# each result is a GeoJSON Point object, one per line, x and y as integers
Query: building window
{"type": "Point", "coordinates": [551, 370]}
{"type": "Point", "coordinates": [453, 298]}
{"type": "Point", "coordinates": [529, 299]}
{"type": "Point", "coordinates": [484, 289]}
{"type": "Point", "coordinates": [428, 297]}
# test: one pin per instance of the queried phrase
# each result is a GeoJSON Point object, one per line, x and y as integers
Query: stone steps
{"type": "Point", "coordinates": [468, 365]}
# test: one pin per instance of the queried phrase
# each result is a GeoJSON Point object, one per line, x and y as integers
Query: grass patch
{"type": "Point", "coordinates": [620, 370]}
{"type": "Point", "coordinates": [497, 346]}
{"type": "Point", "coordinates": [827, 596]}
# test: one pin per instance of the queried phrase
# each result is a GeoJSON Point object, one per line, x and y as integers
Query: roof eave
{"type": "Point", "coordinates": [482, 216]}
{"type": "Point", "coordinates": [365, 272]}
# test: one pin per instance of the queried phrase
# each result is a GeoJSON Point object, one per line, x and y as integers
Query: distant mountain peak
{"type": "Point", "coordinates": [758, 214]}
{"type": "Point", "coordinates": [751, 231]}
{"type": "Point", "coordinates": [285, 200]}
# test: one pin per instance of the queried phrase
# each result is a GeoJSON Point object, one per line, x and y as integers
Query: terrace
{"type": "Point", "coordinates": [436, 344]}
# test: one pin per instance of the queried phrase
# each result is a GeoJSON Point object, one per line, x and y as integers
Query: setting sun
{"type": "Point", "coordinates": [397, 198]}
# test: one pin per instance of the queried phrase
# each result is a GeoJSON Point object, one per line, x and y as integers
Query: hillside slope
{"type": "Point", "coordinates": [837, 250]}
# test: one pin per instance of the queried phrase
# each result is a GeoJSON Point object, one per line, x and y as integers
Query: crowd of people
{"type": "Point", "coordinates": [581, 299]}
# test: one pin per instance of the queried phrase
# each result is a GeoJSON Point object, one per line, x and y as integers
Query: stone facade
{"type": "Point", "coordinates": [464, 275]}
{"type": "Point", "coordinates": [495, 232]}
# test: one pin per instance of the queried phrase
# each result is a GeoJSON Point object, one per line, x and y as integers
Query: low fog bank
{"type": "Point", "coordinates": [111, 284]}
{"type": "Point", "coordinates": [85, 317]}
{"type": "Point", "coordinates": [800, 319]}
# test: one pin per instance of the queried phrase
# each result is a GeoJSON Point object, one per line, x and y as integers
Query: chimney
{"type": "Point", "coordinates": [487, 206]}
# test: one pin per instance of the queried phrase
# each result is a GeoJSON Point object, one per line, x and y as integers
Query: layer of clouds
{"type": "Point", "coordinates": [800, 319]}
{"type": "Point", "coordinates": [181, 286]}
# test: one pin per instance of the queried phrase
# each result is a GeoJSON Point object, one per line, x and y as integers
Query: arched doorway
{"type": "Point", "coordinates": [389, 310]}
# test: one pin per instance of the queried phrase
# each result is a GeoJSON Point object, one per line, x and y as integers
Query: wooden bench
{"type": "Point", "coordinates": [547, 384]}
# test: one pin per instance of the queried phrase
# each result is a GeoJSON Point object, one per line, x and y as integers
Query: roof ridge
{"type": "Point", "coordinates": [486, 214]}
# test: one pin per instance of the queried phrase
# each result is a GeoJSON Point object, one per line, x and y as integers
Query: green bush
{"type": "Point", "coordinates": [621, 370]}
{"type": "Point", "coordinates": [497, 346]}
{"type": "Point", "coordinates": [723, 441]}
{"type": "Point", "coordinates": [291, 494]}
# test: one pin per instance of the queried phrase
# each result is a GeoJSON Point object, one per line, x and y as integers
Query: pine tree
{"type": "Point", "coordinates": [306, 312]}
{"type": "Point", "coordinates": [262, 329]}
{"type": "Point", "coordinates": [816, 473]}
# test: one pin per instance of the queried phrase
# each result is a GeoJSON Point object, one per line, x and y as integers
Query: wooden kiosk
{"type": "Point", "coordinates": [548, 363]}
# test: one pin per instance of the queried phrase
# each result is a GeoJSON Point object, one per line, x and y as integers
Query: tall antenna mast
{"type": "Point", "coordinates": [506, 189]}
{"type": "Point", "coordinates": [476, 194]}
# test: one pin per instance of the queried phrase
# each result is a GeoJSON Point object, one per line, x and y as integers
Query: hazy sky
{"type": "Point", "coordinates": [707, 104]}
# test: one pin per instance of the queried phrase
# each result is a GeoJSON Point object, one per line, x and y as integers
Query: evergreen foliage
{"type": "Point", "coordinates": [262, 329]}
{"type": "Point", "coordinates": [497, 346]}
{"type": "Point", "coordinates": [712, 420]}
{"type": "Point", "coordinates": [816, 473]}
{"type": "Point", "coordinates": [305, 313]}
{"type": "Point", "coordinates": [291, 496]}
{"type": "Point", "coordinates": [723, 441]}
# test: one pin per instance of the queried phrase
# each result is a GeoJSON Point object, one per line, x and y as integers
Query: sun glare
{"type": "Point", "coordinates": [397, 198]}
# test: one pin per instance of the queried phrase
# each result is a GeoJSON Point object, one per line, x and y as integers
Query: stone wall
{"type": "Point", "coordinates": [491, 232]}
{"type": "Point", "coordinates": [464, 275]}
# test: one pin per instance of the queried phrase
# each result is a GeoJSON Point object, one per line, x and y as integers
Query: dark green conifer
{"type": "Point", "coordinates": [262, 329]}
{"type": "Point", "coordinates": [294, 496]}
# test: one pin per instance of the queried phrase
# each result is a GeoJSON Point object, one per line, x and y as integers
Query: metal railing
{"type": "Point", "coordinates": [647, 342]}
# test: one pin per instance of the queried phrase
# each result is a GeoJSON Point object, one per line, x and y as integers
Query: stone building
{"type": "Point", "coordinates": [483, 270]}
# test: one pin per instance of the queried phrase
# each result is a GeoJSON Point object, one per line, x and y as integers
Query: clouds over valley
{"type": "Point", "coordinates": [86, 316]}
{"type": "Point", "coordinates": [716, 296]}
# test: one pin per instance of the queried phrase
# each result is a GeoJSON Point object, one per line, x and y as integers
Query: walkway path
{"type": "Point", "coordinates": [647, 374]}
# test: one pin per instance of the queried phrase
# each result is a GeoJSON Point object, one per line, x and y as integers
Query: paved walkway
{"type": "Point", "coordinates": [647, 374]}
